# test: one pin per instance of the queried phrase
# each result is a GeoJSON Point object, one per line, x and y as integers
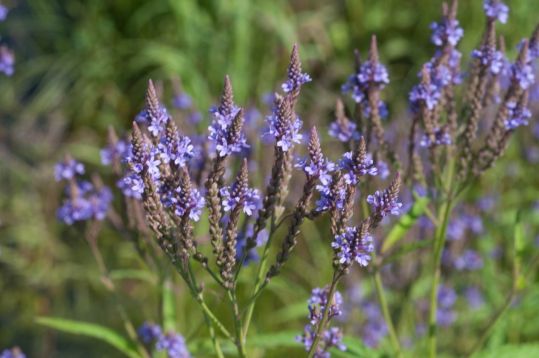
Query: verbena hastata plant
{"type": "Point", "coordinates": [171, 181]}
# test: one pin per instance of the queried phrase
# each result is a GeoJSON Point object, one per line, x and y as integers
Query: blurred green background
{"type": "Point", "coordinates": [83, 65]}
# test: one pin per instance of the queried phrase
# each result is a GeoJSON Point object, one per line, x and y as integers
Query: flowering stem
{"type": "Point", "coordinates": [439, 242]}
{"type": "Point", "coordinates": [336, 276]}
{"type": "Point", "coordinates": [385, 312]}
{"type": "Point", "coordinates": [237, 325]}
{"type": "Point", "coordinates": [259, 279]}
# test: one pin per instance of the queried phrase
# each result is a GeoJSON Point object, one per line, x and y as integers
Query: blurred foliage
{"type": "Point", "coordinates": [83, 65]}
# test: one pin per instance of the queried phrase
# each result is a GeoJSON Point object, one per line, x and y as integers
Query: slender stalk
{"type": "Point", "coordinates": [237, 325]}
{"type": "Point", "coordinates": [325, 314]}
{"type": "Point", "coordinates": [259, 279]}
{"type": "Point", "coordinates": [214, 341]}
{"type": "Point", "coordinates": [439, 242]}
{"type": "Point", "coordinates": [385, 312]}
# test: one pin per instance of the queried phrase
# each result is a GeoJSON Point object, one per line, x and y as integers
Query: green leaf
{"type": "Point", "coordinates": [273, 340]}
{"type": "Point", "coordinates": [519, 250]}
{"type": "Point", "coordinates": [405, 223]}
{"type": "Point", "coordinates": [169, 307]}
{"type": "Point", "coordinates": [104, 334]}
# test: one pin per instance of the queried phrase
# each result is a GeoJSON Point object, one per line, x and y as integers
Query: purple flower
{"type": "Point", "coordinates": [331, 197]}
{"type": "Point", "coordinates": [490, 58]}
{"type": "Point", "coordinates": [356, 166]}
{"type": "Point", "coordinates": [316, 165]}
{"type": "Point", "coordinates": [373, 74]}
{"type": "Point", "coordinates": [384, 203]}
{"type": "Point", "coordinates": [249, 198]}
{"type": "Point", "coordinates": [517, 116]}
{"type": "Point", "coordinates": [176, 149]}
{"type": "Point", "coordinates": [174, 344]}
{"type": "Point", "coordinates": [241, 242]}
{"type": "Point", "coordinates": [225, 131]}
{"type": "Point", "coordinates": [12, 353]}
{"type": "Point", "coordinates": [497, 10]}
{"type": "Point", "coordinates": [382, 109]}
{"type": "Point", "coordinates": [84, 202]}
{"type": "Point", "coordinates": [193, 205]}
{"type": "Point", "coordinates": [158, 122]}
{"type": "Point", "coordinates": [470, 260]}
{"type": "Point", "coordinates": [441, 137]}
{"type": "Point", "coordinates": [182, 101]}
{"type": "Point", "coordinates": [355, 88]}
{"type": "Point", "coordinates": [375, 328]}
{"type": "Point", "coordinates": [68, 169]}
{"type": "Point", "coordinates": [427, 94]}
{"type": "Point", "coordinates": [285, 130]}
{"type": "Point", "coordinates": [352, 246]}
{"type": "Point", "coordinates": [445, 314]}
{"type": "Point", "coordinates": [296, 82]}
{"type": "Point", "coordinates": [383, 169]}
{"type": "Point", "coordinates": [131, 185]}
{"type": "Point", "coordinates": [446, 31]}
{"type": "Point", "coordinates": [474, 297]}
{"type": "Point", "coordinates": [4, 10]}
{"type": "Point", "coordinates": [524, 74]}
{"type": "Point", "coordinates": [344, 131]}
{"type": "Point", "coordinates": [7, 61]}
{"type": "Point", "coordinates": [119, 151]}
{"type": "Point", "coordinates": [331, 337]}
{"type": "Point", "coordinates": [149, 332]}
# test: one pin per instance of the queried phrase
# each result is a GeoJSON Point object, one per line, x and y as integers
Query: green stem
{"type": "Point", "coordinates": [214, 341]}
{"type": "Point", "coordinates": [325, 314]}
{"type": "Point", "coordinates": [237, 325]}
{"type": "Point", "coordinates": [439, 241]}
{"type": "Point", "coordinates": [259, 279]}
{"type": "Point", "coordinates": [385, 312]}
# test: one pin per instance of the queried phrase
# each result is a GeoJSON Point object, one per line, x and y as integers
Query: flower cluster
{"type": "Point", "coordinates": [441, 137]}
{"type": "Point", "coordinates": [386, 202]}
{"type": "Point", "coordinates": [496, 10]}
{"type": "Point", "coordinates": [375, 328]}
{"type": "Point", "coordinates": [353, 245]}
{"type": "Point", "coordinates": [357, 164]}
{"type": "Point", "coordinates": [12, 353]}
{"type": "Point", "coordinates": [316, 166]}
{"type": "Point", "coordinates": [225, 131]}
{"type": "Point", "coordinates": [342, 128]}
{"type": "Point", "coordinates": [446, 31]}
{"type": "Point", "coordinates": [332, 336]}
{"type": "Point", "coordinates": [172, 343]}
{"type": "Point", "coordinates": [445, 315]}
{"type": "Point", "coordinates": [83, 200]}
{"type": "Point", "coordinates": [469, 260]}
{"type": "Point", "coordinates": [518, 115]}
{"type": "Point", "coordinates": [236, 194]}
{"type": "Point", "coordinates": [296, 78]}
{"type": "Point", "coordinates": [284, 126]}
{"type": "Point", "coordinates": [370, 76]}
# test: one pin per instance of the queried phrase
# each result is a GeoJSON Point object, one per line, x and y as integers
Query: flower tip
{"type": "Point", "coordinates": [373, 51]}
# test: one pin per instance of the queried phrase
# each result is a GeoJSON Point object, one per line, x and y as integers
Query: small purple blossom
{"type": "Point", "coordinates": [470, 260]}
{"type": "Point", "coordinates": [373, 74]}
{"type": "Point", "coordinates": [441, 137]}
{"type": "Point", "coordinates": [249, 199]}
{"type": "Point", "coordinates": [193, 206]}
{"type": "Point", "coordinates": [490, 58]}
{"type": "Point", "coordinates": [523, 74]}
{"type": "Point", "coordinates": [182, 101]}
{"type": "Point", "coordinates": [517, 115]}
{"type": "Point", "coordinates": [497, 10]}
{"type": "Point", "coordinates": [428, 94]}
{"type": "Point", "coordinates": [131, 186]}
{"type": "Point", "coordinates": [7, 61]}
{"type": "Point", "coordinates": [84, 202]}
{"type": "Point", "coordinates": [293, 83]}
{"type": "Point", "coordinates": [344, 132]}
{"type": "Point", "coordinates": [446, 31]}
{"type": "Point", "coordinates": [384, 204]}
{"type": "Point", "coordinates": [351, 246]}
{"type": "Point", "coordinates": [355, 167]}
{"type": "Point", "coordinates": [330, 197]}
{"type": "Point", "coordinates": [445, 315]}
{"type": "Point", "coordinates": [375, 328]}
{"type": "Point", "coordinates": [119, 151]}
{"type": "Point", "coordinates": [285, 131]}
{"type": "Point", "coordinates": [149, 332]}
{"type": "Point", "coordinates": [68, 169]}
{"type": "Point", "coordinates": [474, 297]}
{"type": "Point", "coordinates": [174, 345]}
{"type": "Point", "coordinates": [12, 353]}
{"type": "Point", "coordinates": [331, 337]}
{"type": "Point", "coordinates": [241, 242]}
